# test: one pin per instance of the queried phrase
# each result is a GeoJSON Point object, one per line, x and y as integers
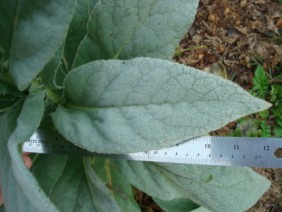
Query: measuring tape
{"type": "Point", "coordinates": [206, 150]}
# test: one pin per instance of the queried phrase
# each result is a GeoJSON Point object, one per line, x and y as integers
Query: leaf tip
{"type": "Point", "coordinates": [263, 105]}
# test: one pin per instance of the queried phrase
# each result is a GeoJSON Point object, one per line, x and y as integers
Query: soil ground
{"type": "Point", "coordinates": [230, 36]}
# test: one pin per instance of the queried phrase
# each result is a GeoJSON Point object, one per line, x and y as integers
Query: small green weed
{"type": "Point", "coordinates": [260, 81]}
{"type": "Point", "coordinates": [266, 85]}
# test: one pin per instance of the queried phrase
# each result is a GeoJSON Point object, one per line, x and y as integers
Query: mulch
{"type": "Point", "coordinates": [238, 34]}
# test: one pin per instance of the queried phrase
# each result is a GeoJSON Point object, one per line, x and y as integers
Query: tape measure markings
{"type": "Point", "coordinates": [206, 150]}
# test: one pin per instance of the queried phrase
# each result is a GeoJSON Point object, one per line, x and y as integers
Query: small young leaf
{"type": "Point", "coordinates": [40, 29]}
{"type": "Point", "coordinates": [51, 76]}
{"type": "Point", "coordinates": [125, 29]}
{"type": "Point", "coordinates": [215, 188]}
{"type": "Point", "coordinates": [260, 81]}
{"type": "Point", "coordinates": [128, 106]}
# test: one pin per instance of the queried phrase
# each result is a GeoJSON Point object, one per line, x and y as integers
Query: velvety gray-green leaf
{"type": "Point", "coordinates": [126, 29]}
{"type": "Point", "coordinates": [72, 184]}
{"type": "Point", "coordinates": [78, 28]}
{"type": "Point", "coordinates": [118, 106]}
{"type": "Point", "coordinates": [215, 188]}
{"type": "Point", "coordinates": [40, 29]}
{"type": "Point", "coordinates": [201, 209]}
{"type": "Point", "coordinates": [116, 183]}
{"type": "Point", "coordinates": [47, 169]}
{"type": "Point", "coordinates": [63, 180]}
{"type": "Point", "coordinates": [104, 199]}
{"type": "Point", "coordinates": [8, 122]}
{"type": "Point", "coordinates": [176, 205]}
{"type": "Point", "coordinates": [20, 190]}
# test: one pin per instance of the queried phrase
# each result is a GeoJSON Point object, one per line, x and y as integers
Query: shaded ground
{"type": "Point", "coordinates": [236, 33]}
{"type": "Point", "coordinates": [233, 36]}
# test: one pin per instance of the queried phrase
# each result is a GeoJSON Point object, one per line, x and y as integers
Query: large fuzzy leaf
{"type": "Point", "coordinates": [72, 185]}
{"type": "Point", "coordinates": [127, 106]}
{"type": "Point", "coordinates": [53, 74]}
{"type": "Point", "coordinates": [125, 29]}
{"type": "Point", "coordinates": [8, 122]}
{"type": "Point", "coordinates": [78, 28]}
{"type": "Point", "coordinates": [39, 30]}
{"type": "Point", "coordinates": [19, 188]}
{"type": "Point", "coordinates": [215, 188]}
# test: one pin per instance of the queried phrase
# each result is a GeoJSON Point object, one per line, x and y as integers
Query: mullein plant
{"type": "Point", "coordinates": [100, 72]}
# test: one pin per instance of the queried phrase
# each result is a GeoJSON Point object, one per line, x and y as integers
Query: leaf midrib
{"type": "Point", "coordinates": [87, 108]}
